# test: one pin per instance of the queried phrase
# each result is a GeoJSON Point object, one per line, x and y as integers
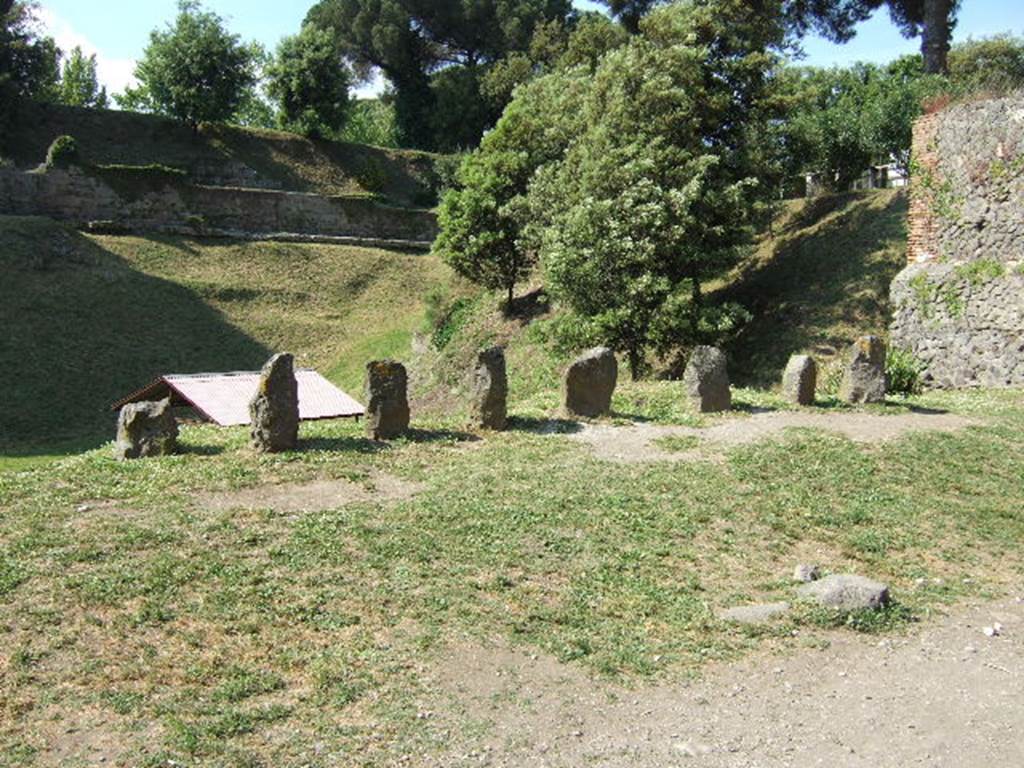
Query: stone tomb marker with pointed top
{"type": "Point", "coordinates": [489, 404]}
{"type": "Point", "coordinates": [274, 410]}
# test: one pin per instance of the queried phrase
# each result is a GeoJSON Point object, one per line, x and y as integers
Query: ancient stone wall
{"type": "Point", "coordinates": [959, 305]}
{"type": "Point", "coordinates": [81, 197]}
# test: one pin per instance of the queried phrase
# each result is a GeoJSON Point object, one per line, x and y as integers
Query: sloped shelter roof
{"type": "Point", "coordinates": [224, 398]}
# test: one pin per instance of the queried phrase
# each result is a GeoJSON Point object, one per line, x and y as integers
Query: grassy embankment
{"type": "Point", "coordinates": [273, 158]}
{"type": "Point", "coordinates": [89, 319]}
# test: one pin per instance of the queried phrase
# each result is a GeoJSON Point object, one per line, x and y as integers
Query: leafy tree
{"type": "Point", "coordinates": [554, 46]}
{"type": "Point", "coordinates": [29, 63]}
{"type": "Point", "coordinates": [843, 120]}
{"type": "Point", "coordinates": [412, 41]}
{"type": "Point", "coordinates": [485, 218]}
{"type": "Point", "coordinates": [834, 19]}
{"type": "Point", "coordinates": [309, 81]}
{"type": "Point", "coordinates": [992, 63]}
{"type": "Point", "coordinates": [931, 20]}
{"type": "Point", "coordinates": [79, 85]}
{"type": "Point", "coordinates": [195, 70]}
{"type": "Point", "coordinates": [660, 192]}
{"type": "Point", "coordinates": [371, 121]}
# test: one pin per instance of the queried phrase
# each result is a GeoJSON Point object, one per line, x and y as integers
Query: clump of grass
{"type": "Point", "coordinates": [678, 443]}
{"type": "Point", "coordinates": [903, 372]}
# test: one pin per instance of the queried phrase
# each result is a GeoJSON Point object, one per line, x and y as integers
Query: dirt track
{"type": "Point", "coordinates": [944, 695]}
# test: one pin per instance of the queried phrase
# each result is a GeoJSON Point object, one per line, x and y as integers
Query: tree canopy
{"type": "Point", "coordinates": [434, 53]}
{"type": "Point", "coordinates": [29, 62]}
{"type": "Point", "coordinates": [79, 84]}
{"type": "Point", "coordinates": [309, 82]}
{"type": "Point", "coordinates": [194, 70]}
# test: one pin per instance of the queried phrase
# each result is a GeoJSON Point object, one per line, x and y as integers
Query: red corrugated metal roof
{"type": "Point", "coordinates": [224, 398]}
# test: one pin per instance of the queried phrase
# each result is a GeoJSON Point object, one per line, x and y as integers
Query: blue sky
{"type": "Point", "coordinates": [117, 30]}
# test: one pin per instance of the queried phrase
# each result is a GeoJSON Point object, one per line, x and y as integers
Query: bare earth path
{"type": "Point", "coordinates": [943, 695]}
{"type": "Point", "coordinates": [637, 442]}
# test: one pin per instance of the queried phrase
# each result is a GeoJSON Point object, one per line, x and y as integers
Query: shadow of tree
{"type": "Point", "coordinates": [343, 445]}
{"type": "Point", "coordinates": [83, 327]}
{"type": "Point", "coordinates": [546, 426]}
{"type": "Point", "coordinates": [441, 436]}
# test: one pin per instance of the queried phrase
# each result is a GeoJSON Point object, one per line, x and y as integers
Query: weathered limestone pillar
{"type": "Point", "coordinates": [706, 380]}
{"type": "Point", "coordinates": [490, 390]}
{"type": "Point", "coordinates": [590, 383]}
{"type": "Point", "coordinates": [800, 380]}
{"type": "Point", "coordinates": [864, 379]}
{"type": "Point", "coordinates": [274, 410]}
{"type": "Point", "coordinates": [387, 408]}
{"type": "Point", "coordinates": [146, 429]}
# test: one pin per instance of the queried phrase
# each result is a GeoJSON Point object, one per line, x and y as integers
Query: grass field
{"type": "Point", "coordinates": [142, 622]}
{"type": "Point", "coordinates": [90, 319]}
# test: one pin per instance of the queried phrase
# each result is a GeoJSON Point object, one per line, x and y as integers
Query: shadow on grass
{"type": "Point", "coordinates": [84, 327]}
{"type": "Point", "coordinates": [342, 445]}
{"type": "Point", "coordinates": [200, 449]}
{"type": "Point", "coordinates": [550, 426]}
{"type": "Point", "coordinates": [441, 436]}
{"type": "Point", "coordinates": [822, 283]}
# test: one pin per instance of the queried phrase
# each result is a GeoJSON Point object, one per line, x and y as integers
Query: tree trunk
{"type": "Point", "coordinates": [635, 363]}
{"type": "Point", "coordinates": [511, 296]}
{"type": "Point", "coordinates": [936, 31]}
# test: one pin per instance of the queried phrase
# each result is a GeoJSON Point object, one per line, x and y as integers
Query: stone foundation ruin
{"type": "Point", "coordinates": [959, 305]}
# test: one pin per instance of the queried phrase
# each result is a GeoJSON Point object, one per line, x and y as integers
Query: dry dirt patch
{"type": "Point", "coordinates": [315, 496]}
{"type": "Point", "coordinates": [637, 443]}
{"type": "Point", "coordinates": [947, 696]}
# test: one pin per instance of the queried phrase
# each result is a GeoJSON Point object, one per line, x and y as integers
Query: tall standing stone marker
{"type": "Point", "coordinates": [274, 410]}
{"type": "Point", "coordinates": [387, 409]}
{"type": "Point", "coordinates": [490, 390]}
{"type": "Point", "coordinates": [146, 429]}
{"type": "Point", "coordinates": [706, 380]}
{"type": "Point", "coordinates": [800, 380]}
{"type": "Point", "coordinates": [864, 380]}
{"type": "Point", "coordinates": [590, 383]}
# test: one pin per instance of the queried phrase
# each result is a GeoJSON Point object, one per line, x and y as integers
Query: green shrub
{"type": "Point", "coordinates": [63, 153]}
{"type": "Point", "coordinates": [903, 371]}
{"type": "Point", "coordinates": [449, 323]}
{"type": "Point", "coordinates": [372, 175]}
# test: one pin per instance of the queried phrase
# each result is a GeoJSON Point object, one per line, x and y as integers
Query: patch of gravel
{"type": "Point", "coordinates": [636, 443]}
{"type": "Point", "coordinates": [946, 697]}
{"type": "Point", "coordinates": [315, 496]}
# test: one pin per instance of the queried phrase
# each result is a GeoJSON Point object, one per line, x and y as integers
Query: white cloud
{"type": "Point", "coordinates": [115, 74]}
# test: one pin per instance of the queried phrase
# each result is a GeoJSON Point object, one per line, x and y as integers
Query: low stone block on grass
{"type": "Point", "coordinates": [489, 406]}
{"type": "Point", "coordinates": [800, 380]}
{"type": "Point", "coordinates": [846, 592]}
{"type": "Point", "coordinates": [387, 407]}
{"type": "Point", "coordinates": [706, 380]}
{"type": "Point", "coordinates": [864, 379]}
{"type": "Point", "coordinates": [590, 383]}
{"type": "Point", "coordinates": [274, 410]}
{"type": "Point", "coordinates": [145, 430]}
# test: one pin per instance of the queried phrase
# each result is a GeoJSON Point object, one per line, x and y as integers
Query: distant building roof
{"type": "Point", "coordinates": [224, 398]}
